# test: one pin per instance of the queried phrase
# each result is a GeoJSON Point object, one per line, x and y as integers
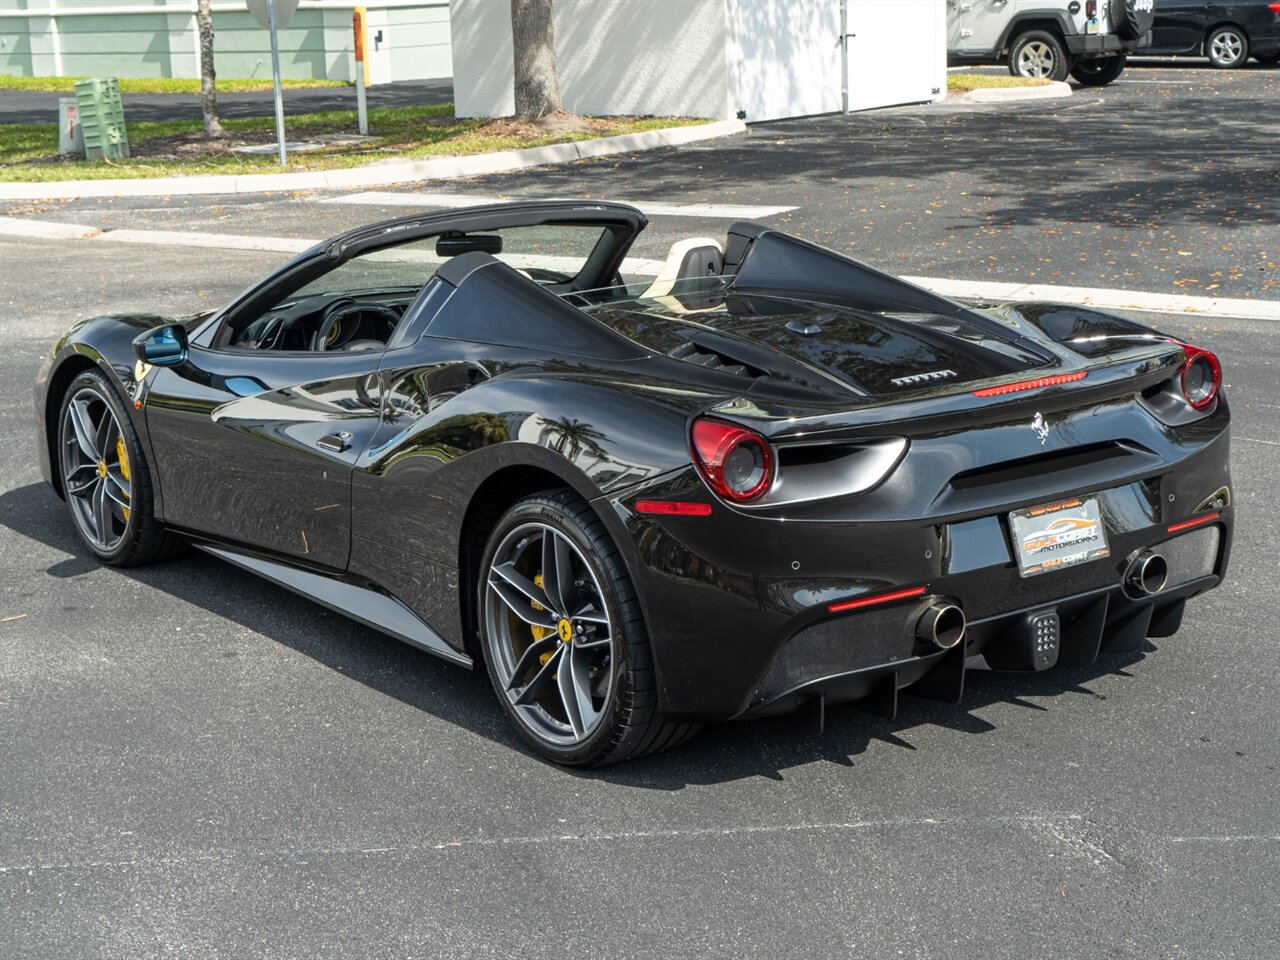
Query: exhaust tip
{"type": "Point", "coordinates": [1147, 574]}
{"type": "Point", "coordinates": [942, 624]}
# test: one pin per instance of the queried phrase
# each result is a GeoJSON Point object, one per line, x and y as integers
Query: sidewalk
{"type": "Point", "coordinates": [34, 106]}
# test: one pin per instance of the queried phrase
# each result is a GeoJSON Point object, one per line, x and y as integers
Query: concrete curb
{"type": "Point", "coordinates": [375, 174]}
{"type": "Point", "coordinates": [45, 229]}
{"type": "Point", "coordinates": [1050, 91]}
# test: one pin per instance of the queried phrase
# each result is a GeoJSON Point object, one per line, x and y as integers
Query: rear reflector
{"type": "Point", "coordinates": [1193, 522]}
{"type": "Point", "coordinates": [1031, 384]}
{"type": "Point", "coordinates": [878, 598]}
{"type": "Point", "coordinates": [674, 508]}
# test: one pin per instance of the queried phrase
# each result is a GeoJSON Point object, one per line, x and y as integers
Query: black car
{"type": "Point", "coordinates": [1227, 33]}
{"type": "Point", "coordinates": [769, 476]}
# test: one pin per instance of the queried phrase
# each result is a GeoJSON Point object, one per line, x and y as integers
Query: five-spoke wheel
{"type": "Point", "coordinates": [105, 477]}
{"type": "Point", "coordinates": [550, 635]}
{"type": "Point", "coordinates": [95, 469]}
{"type": "Point", "coordinates": [563, 636]}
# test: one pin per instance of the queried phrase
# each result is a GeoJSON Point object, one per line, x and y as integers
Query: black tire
{"type": "Point", "coordinates": [1227, 48]}
{"type": "Point", "coordinates": [1270, 59]}
{"type": "Point", "coordinates": [134, 536]}
{"type": "Point", "coordinates": [627, 724]}
{"type": "Point", "coordinates": [1039, 54]}
{"type": "Point", "coordinates": [1099, 72]}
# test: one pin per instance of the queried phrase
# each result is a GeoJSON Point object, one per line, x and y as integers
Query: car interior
{"type": "Point", "coordinates": [358, 305]}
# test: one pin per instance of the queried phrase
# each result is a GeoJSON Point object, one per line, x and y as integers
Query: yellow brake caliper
{"type": "Point", "coordinates": [540, 632]}
{"type": "Point", "coordinates": [124, 469]}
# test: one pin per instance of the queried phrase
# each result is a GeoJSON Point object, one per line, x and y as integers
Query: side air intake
{"type": "Point", "coordinates": [690, 352]}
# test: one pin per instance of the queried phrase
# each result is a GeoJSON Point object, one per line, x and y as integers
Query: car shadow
{"type": "Point", "coordinates": [720, 753]}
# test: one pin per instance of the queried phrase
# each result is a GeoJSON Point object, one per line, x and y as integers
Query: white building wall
{"type": "Point", "coordinates": [784, 58]}
{"type": "Point", "coordinates": [664, 57]}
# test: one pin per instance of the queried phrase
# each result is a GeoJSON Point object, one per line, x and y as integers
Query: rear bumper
{"type": "Point", "coordinates": [737, 606]}
{"type": "Point", "coordinates": [1104, 45]}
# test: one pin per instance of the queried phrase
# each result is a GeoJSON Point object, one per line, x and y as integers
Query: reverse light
{"type": "Point", "coordinates": [674, 508]}
{"type": "Point", "coordinates": [1035, 384]}
{"type": "Point", "coordinates": [736, 462]}
{"type": "Point", "coordinates": [1193, 522]}
{"type": "Point", "coordinates": [1201, 376]}
{"type": "Point", "coordinates": [879, 598]}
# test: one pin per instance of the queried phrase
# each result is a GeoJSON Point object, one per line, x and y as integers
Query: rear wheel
{"type": "Point", "coordinates": [105, 477]}
{"type": "Point", "coordinates": [1227, 47]}
{"type": "Point", "coordinates": [1098, 72]}
{"type": "Point", "coordinates": [564, 638]}
{"type": "Point", "coordinates": [1039, 55]}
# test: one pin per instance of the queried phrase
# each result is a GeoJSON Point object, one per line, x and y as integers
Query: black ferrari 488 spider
{"type": "Point", "coordinates": [767, 476]}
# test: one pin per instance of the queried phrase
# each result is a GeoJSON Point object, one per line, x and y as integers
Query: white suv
{"type": "Point", "coordinates": [1087, 39]}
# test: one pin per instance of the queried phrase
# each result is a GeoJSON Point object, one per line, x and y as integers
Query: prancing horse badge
{"type": "Point", "coordinates": [1040, 427]}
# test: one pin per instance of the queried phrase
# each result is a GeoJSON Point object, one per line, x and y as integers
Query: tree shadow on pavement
{"type": "Point", "coordinates": [719, 754]}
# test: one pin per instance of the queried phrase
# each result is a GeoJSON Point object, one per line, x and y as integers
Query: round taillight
{"type": "Point", "coordinates": [736, 462]}
{"type": "Point", "coordinates": [1201, 377]}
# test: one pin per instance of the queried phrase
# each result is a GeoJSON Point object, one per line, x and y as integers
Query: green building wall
{"type": "Point", "coordinates": [317, 43]}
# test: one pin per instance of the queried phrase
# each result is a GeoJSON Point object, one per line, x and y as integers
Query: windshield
{"type": "Point", "coordinates": [550, 253]}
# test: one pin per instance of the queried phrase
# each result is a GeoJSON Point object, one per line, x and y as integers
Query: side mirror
{"type": "Point", "coordinates": [162, 346]}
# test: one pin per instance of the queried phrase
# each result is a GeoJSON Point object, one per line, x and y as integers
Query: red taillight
{"type": "Point", "coordinates": [1031, 384]}
{"type": "Point", "coordinates": [1201, 376]}
{"type": "Point", "coordinates": [1091, 9]}
{"type": "Point", "coordinates": [1274, 7]}
{"type": "Point", "coordinates": [674, 508]}
{"type": "Point", "coordinates": [736, 462]}
{"type": "Point", "coordinates": [877, 599]}
{"type": "Point", "coordinates": [1193, 522]}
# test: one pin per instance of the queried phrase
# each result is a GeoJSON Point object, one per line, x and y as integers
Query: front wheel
{"type": "Point", "coordinates": [1039, 55]}
{"type": "Point", "coordinates": [564, 639]}
{"type": "Point", "coordinates": [105, 477]}
{"type": "Point", "coordinates": [1098, 72]}
{"type": "Point", "coordinates": [1227, 48]}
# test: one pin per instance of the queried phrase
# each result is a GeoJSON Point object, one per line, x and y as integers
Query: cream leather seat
{"type": "Point", "coordinates": [695, 257]}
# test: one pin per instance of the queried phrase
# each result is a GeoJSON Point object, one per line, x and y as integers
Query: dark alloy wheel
{"type": "Point", "coordinates": [1227, 47]}
{"type": "Point", "coordinates": [105, 477]}
{"type": "Point", "coordinates": [564, 639]}
{"type": "Point", "coordinates": [1099, 71]}
{"type": "Point", "coordinates": [1039, 55]}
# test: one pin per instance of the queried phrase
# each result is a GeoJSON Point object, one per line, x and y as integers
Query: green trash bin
{"type": "Point", "coordinates": [102, 118]}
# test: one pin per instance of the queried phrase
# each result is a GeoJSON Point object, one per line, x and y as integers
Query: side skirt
{"type": "Point", "coordinates": [362, 604]}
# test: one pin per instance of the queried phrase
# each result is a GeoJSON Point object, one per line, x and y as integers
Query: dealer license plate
{"type": "Point", "coordinates": [1058, 535]}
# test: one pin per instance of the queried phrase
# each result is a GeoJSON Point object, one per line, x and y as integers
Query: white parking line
{"type": "Point", "coordinates": [1102, 298]}
{"type": "Point", "coordinates": [451, 201]}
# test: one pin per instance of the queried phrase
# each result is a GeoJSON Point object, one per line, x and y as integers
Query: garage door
{"type": "Point", "coordinates": [784, 58]}
{"type": "Point", "coordinates": [897, 52]}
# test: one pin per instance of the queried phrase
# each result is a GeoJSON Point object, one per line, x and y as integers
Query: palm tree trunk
{"type": "Point", "coordinates": [533, 41]}
{"type": "Point", "coordinates": [208, 93]}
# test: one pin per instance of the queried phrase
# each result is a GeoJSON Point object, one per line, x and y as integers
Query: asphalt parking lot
{"type": "Point", "coordinates": [199, 764]}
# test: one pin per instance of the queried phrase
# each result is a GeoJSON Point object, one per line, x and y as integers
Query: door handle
{"type": "Point", "coordinates": [335, 442]}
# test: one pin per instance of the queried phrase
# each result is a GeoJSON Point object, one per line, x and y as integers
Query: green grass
{"type": "Point", "coordinates": [405, 133]}
{"type": "Point", "coordinates": [964, 82]}
{"type": "Point", "coordinates": [160, 84]}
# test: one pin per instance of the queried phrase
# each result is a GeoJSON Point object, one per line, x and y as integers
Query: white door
{"type": "Point", "coordinates": [897, 52]}
{"type": "Point", "coordinates": [784, 58]}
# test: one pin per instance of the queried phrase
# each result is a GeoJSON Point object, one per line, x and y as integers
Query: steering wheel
{"type": "Point", "coordinates": [344, 307]}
